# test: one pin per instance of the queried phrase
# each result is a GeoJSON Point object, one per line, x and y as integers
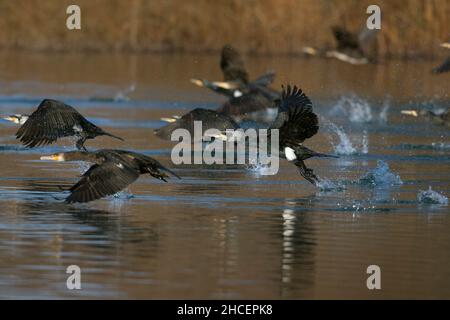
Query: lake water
{"type": "Point", "coordinates": [229, 232]}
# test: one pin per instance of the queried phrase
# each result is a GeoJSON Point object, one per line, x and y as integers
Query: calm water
{"type": "Point", "coordinates": [228, 233]}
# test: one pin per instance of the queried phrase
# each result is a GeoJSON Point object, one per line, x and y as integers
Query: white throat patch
{"type": "Point", "coordinates": [237, 93]}
{"type": "Point", "coordinates": [77, 128]}
{"type": "Point", "coordinates": [290, 154]}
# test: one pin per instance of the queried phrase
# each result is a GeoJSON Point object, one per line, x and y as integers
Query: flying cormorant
{"type": "Point", "coordinates": [354, 48]}
{"type": "Point", "coordinates": [440, 118]}
{"type": "Point", "coordinates": [52, 120]}
{"type": "Point", "coordinates": [245, 97]}
{"type": "Point", "coordinates": [210, 120]}
{"type": "Point", "coordinates": [295, 121]}
{"type": "Point", "coordinates": [236, 80]}
{"type": "Point", "coordinates": [113, 171]}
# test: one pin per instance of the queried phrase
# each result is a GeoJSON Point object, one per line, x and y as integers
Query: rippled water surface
{"type": "Point", "coordinates": [229, 232]}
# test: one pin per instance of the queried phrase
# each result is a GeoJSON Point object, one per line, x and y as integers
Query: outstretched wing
{"type": "Point", "coordinates": [296, 120]}
{"type": "Point", "coordinates": [232, 65]}
{"type": "Point", "coordinates": [102, 180]}
{"type": "Point", "coordinates": [344, 38]}
{"type": "Point", "coordinates": [52, 120]}
{"type": "Point", "coordinates": [265, 79]}
{"type": "Point", "coordinates": [444, 67]}
{"type": "Point", "coordinates": [247, 103]}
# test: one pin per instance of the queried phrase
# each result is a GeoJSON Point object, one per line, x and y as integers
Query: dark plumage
{"type": "Point", "coordinates": [444, 67]}
{"type": "Point", "coordinates": [251, 102]}
{"type": "Point", "coordinates": [439, 118]}
{"type": "Point", "coordinates": [210, 120]}
{"type": "Point", "coordinates": [54, 119]}
{"type": "Point", "coordinates": [113, 171]}
{"type": "Point", "coordinates": [232, 65]}
{"type": "Point", "coordinates": [296, 122]}
{"type": "Point", "coordinates": [344, 38]}
{"type": "Point", "coordinates": [236, 84]}
{"type": "Point", "coordinates": [354, 48]}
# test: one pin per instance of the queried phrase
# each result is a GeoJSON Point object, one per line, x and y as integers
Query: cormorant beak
{"type": "Point", "coordinates": [12, 119]}
{"type": "Point", "coordinates": [170, 120]}
{"type": "Point", "coordinates": [410, 113]}
{"type": "Point", "coordinates": [310, 50]}
{"type": "Point", "coordinates": [197, 82]}
{"type": "Point", "coordinates": [54, 157]}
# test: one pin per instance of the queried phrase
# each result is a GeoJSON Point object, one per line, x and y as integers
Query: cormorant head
{"type": "Point", "coordinates": [54, 157]}
{"type": "Point", "coordinates": [17, 118]}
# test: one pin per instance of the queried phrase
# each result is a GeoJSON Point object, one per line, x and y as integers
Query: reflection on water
{"type": "Point", "coordinates": [228, 232]}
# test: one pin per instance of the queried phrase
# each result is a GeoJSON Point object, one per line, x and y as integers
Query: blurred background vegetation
{"type": "Point", "coordinates": [411, 28]}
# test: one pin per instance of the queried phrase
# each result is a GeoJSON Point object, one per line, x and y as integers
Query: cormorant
{"type": "Point", "coordinates": [296, 122]}
{"type": "Point", "coordinates": [245, 97]}
{"type": "Point", "coordinates": [113, 171]}
{"type": "Point", "coordinates": [236, 80]}
{"type": "Point", "coordinates": [440, 118]}
{"type": "Point", "coordinates": [210, 120]}
{"type": "Point", "coordinates": [445, 66]}
{"type": "Point", "coordinates": [52, 120]}
{"type": "Point", "coordinates": [353, 48]}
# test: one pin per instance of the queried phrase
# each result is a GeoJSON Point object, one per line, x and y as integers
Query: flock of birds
{"type": "Point", "coordinates": [289, 111]}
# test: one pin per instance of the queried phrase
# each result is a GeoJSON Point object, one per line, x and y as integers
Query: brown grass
{"type": "Point", "coordinates": [409, 28]}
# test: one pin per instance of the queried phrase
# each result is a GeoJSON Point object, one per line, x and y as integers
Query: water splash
{"type": "Point", "coordinates": [383, 116]}
{"type": "Point", "coordinates": [355, 108]}
{"type": "Point", "coordinates": [326, 185]}
{"type": "Point", "coordinates": [365, 143]}
{"type": "Point", "coordinates": [345, 146]}
{"type": "Point", "coordinates": [431, 197]}
{"type": "Point", "coordinates": [259, 169]}
{"type": "Point", "coordinates": [381, 176]}
{"type": "Point", "coordinates": [123, 195]}
{"type": "Point", "coordinates": [123, 95]}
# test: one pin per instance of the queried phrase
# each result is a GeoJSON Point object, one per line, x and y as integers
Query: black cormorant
{"type": "Point", "coordinates": [245, 97]}
{"type": "Point", "coordinates": [297, 122]}
{"type": "Point", "coordinates": [52, 120]}
{"type": "Point", "coordinates": [354, 48]}
{"type": "Point", "coordinates": [210, 120]}
{"type": "Point", "coordinates": [113, 171]}
{"type": "Point", "coordinates": [236, 80]}
{"type": "Point", "coordinates": [440, 118]}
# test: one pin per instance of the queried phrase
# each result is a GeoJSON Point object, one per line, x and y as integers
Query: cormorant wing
{"type": "Point", "coordinates": [444, 67]}
{"type": "Point", "coordinates": [368, 43]}
{"type": "Point", "coordinates": [52, 120]}
{"type": "Point", "coordinates": [232, 65]}
{"type": "Point", "coordinates": [345, 39]}
{"type": "Point", "coordinates": [102, 180]}
{"type": "Point", "coordinates": [247, 103]}
{"type": "Point", "coordinates": [296, 120]}
{"type": "Point", "coordinates": [265, 79]}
